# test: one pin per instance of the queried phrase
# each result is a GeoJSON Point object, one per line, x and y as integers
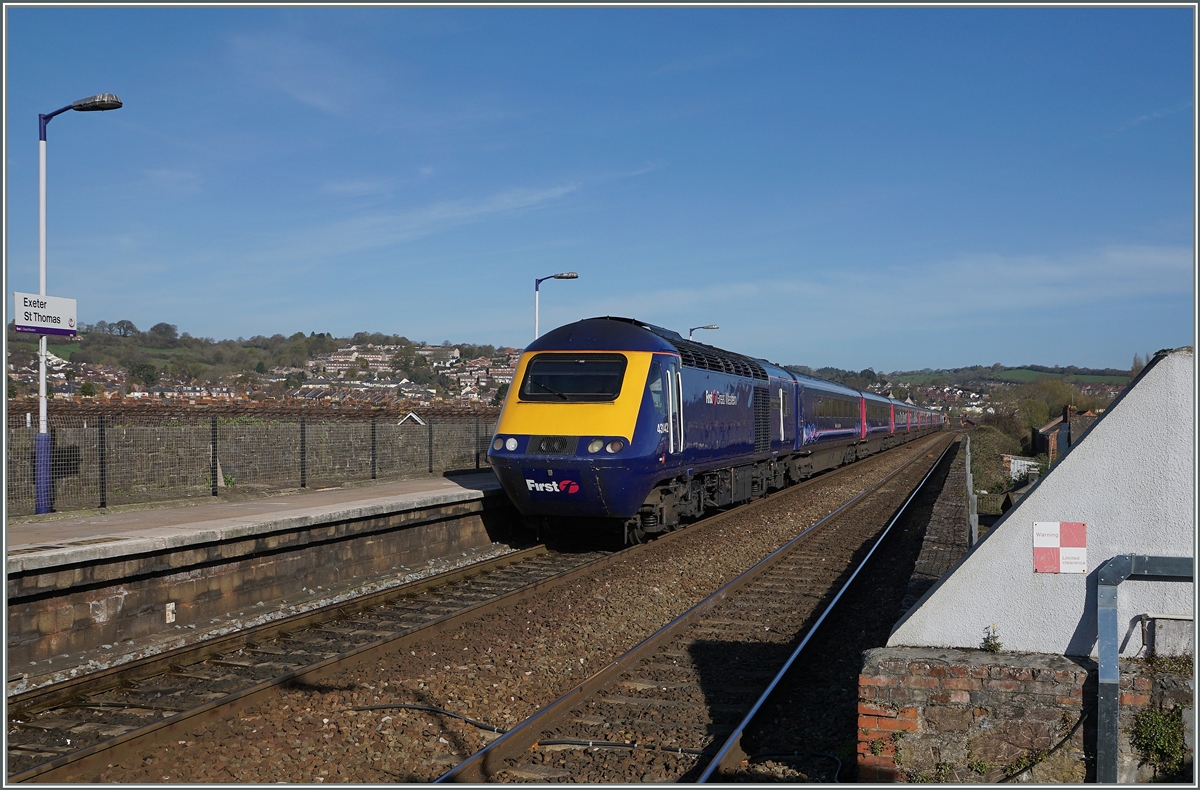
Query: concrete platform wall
{"type": "Point", "coordinates": [69, 609]}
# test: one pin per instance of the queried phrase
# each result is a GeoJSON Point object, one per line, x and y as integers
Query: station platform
{"type": "Point", "coordinates": [38, 543]}
{"type": "Point", "coordinates": [87, 591]}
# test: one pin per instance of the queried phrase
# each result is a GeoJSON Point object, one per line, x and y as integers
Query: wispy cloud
{"type": "Point", "coordinates": [358, 187]}
{"type": "Point", "coordinates": [699, 63]}
{"type": "Point", "coordinates": [361, 187]}
{"type": "Point", "coordinates": [308, 72]}
{"type": "Point", "coordinates": [174, 180]}
{"type": "Point", "coordinates": [1153, 116]}
{"type": "Point", "coordinates": [974, 290]}
{"type": "Point", "coordinates": [998, 282]}
{"type": "Point", "coordinates": [385, 228]}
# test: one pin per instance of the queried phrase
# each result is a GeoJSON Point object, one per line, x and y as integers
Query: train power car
{"type": "Point", "coordinates": [614, 422]}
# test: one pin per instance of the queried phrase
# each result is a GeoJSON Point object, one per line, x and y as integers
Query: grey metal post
{"type": "Point", "coordinates": [212, 463]}
{"type": "Point", "coordinates": [101, 442]}
{"type": "Point", "coordinates": [303, 455]}
{"type": "Point", "coordinates": [1108, 578]}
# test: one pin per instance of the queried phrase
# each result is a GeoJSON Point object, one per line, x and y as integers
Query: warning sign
{"type": "Point", "coordinates": [1059, 547]}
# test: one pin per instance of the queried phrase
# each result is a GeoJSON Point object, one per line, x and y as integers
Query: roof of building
{"type": "Point", "coordinates": [1050, 425]}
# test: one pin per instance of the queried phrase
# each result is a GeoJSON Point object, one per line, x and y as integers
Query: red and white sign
{"type": "Point", "coordinates": [1059, 547]}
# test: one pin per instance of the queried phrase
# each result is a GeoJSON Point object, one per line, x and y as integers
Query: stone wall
{"type": "Point", "coordinates": [968, 716]}
{"type": "Point", "coordinates": [947, 535]}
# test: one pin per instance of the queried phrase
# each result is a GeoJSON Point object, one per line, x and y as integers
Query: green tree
{"type": "Point", "coordinates": [14, 387]}
{"type": "Point", "coordinates": [1033, 412]}
{"type": "Point", "coordinates": [163, 335]}
{"type": "Point", "coordinates": [501, 391]}
{"type": "Point", "coordinates": [144, 373]}
{"type": "Point", "coordinates": [87, 389]}
{"type": "Point", "coordinates": [260, 367]}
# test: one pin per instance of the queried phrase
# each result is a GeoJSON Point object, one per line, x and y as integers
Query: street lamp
{"type": "Point", "coordinates": [693, 329]}
{"type": "Point", "coordinates": [42, 482]}
{"type": "Point", "coordinates": [537, 282]}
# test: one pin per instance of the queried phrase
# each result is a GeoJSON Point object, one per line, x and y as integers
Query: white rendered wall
{"type": "Point", "coordinates": [1131, 479]}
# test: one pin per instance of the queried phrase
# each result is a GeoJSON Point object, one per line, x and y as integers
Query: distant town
{"type": "Point", "coordinates": [358, 374]}
{"type": "Point", "coordinates": [118, 362]}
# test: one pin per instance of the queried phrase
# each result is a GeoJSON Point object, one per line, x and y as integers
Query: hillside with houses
{"type": "Point", "coordinates": [109, 362]}
{"type": "Point", "coordinates": [160, 365]}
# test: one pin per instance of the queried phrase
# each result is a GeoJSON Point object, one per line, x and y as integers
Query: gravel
{"type": "Point", "coordinates": [499, 669]}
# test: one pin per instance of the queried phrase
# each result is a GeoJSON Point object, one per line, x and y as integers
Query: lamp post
{"type": "Point", "coordinates": [537, 282]}
{"type": "Point", "coordinates": [693, 329]}
{"type": "Point", "coordinates": [42, 481]}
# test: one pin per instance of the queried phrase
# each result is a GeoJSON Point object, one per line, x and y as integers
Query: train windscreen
{"type": "Point", "coordinates": [589, 378]}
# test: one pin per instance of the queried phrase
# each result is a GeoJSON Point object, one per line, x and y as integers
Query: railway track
{"type": "Point", "coordinates": [75, 731]}
{"type": "Point", "coordinates": [674, 707]}
{"type": "Point", "coordinates": [54, 728]}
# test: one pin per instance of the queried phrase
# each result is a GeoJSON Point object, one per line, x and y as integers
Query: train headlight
{"type": "Point", "coordinates": [596, 445]}
{"type": "Point", "coordinates": [498, 444]}
{"type": "Point", "coordinates": [615, 446]}
{"type": "Point", "coordinates": [511, 444]}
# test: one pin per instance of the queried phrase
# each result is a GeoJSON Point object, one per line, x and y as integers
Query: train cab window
{"type": "Point", "coordinates": [655, 385]}
{"type": "Point", "coordinates": [590, 378]}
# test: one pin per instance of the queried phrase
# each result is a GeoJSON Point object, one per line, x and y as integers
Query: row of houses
{"type": "Point", "coordinates": [67, 378]}
{"type": "Point", "coordinates": [375, 357]}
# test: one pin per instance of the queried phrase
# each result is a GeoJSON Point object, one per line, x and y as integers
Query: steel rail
{"type": "Point", "coordinates": [731, 751]}
{"type": "Point", "coordinates": [84, 759]}
{"type": "Point", "coordinates": [61, 693]}
{"type": "Point", "coordinates": [480, 766]}
{"type": "Point", "coordinates": [68, 767]}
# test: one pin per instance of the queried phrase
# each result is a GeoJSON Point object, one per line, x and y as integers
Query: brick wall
{"type": "Point", "coordinates": [929, 715]}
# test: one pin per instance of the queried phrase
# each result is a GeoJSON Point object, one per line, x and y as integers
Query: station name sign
{"type": "Point", "coordinates": [44, 315]}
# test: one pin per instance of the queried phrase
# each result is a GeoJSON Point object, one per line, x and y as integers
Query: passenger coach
{"type": "Point", "coordinates": [611, 422]}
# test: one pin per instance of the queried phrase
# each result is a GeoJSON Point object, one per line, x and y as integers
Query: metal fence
{"type": "Point", "coordinates": [105, 460]}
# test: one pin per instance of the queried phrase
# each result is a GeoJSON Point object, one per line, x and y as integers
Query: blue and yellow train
{"type": "Point", "coordinates": [613, 421]}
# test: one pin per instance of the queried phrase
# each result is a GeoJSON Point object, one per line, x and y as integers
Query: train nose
{"type": "Point", "coordinates": [547, 485]}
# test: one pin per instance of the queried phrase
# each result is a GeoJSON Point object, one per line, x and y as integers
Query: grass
{"type": "Point", "coordinates": [1026, 376]}
{"type": "Point", "coordinates": [1016, 375]}
{"type": "Point", "coordinates": [63, 351]}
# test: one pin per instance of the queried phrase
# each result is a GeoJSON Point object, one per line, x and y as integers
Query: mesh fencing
{"type": "Point", "coordinates": [106, 460]}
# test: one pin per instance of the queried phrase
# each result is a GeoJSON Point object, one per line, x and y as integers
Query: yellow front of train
{"type": "Point", "coordinates": [578, 434]}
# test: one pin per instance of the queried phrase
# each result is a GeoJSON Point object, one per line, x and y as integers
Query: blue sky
{"type": "Point", "coordinates": [897, 188]}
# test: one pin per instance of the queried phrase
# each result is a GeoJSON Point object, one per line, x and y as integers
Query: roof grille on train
{"type": "Point", "coordinates": [705, 357]}
{"type": "Point", "coordinates": [698, 355]}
